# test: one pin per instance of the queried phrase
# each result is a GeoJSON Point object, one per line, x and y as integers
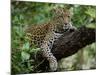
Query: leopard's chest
{"type": "Point", "coordinates": [53, 39]}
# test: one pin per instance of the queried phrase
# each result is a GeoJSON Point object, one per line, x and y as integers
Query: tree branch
{"type": "Point", "coordinates": [70, 43]}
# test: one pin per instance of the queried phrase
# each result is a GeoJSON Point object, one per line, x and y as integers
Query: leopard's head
{"type": "Point", "coordinates": [63, 19]}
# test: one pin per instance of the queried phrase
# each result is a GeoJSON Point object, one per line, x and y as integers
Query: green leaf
{"type": "Point", "coordinates": [91, 12]}
{"type": "Point", "coordinates": [21, 17]}
{"type": "Point", "coordinates": [25, 55]}
{"type": "Point", "coordinates": [92, 25]}
{"type": "Point", "coordinates": [26, 46]}
{"type": "Point", "coordinates": [16, 19]}
{"type": "Point", "coordinates": [35, 50]}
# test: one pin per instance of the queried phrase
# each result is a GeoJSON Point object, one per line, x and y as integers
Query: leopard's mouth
{"type": "Point", "coordinates": [67, 27]}
{"type": "Point", "coordinates": [62, 30]}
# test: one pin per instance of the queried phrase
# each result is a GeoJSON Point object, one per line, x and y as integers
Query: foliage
{"type": "Point", "coordinates": [24, 14]}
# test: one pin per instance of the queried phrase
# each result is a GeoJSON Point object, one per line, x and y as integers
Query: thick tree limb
{"type": "Point", "coordinates": [70, 43]}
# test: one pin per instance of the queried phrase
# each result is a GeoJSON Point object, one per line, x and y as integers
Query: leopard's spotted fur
{"type": "Point", "coordinates": [45, 35]}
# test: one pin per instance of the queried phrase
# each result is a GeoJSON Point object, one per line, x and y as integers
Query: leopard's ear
{"type": "Point", "coordinates": [57, 10]}
{"type": "Point", "coordinates": [64, 9]}
{"type": "Point", "coordinates": [60, 10]}
{"type": "Point", "coordinates": [54, 10]}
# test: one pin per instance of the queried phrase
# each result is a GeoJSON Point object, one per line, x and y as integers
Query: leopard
{"type": "Point", "coordinates": [44, 35]}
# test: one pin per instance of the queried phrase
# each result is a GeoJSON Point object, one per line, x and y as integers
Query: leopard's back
{"type": "Point", "coordinates": [37, 33]}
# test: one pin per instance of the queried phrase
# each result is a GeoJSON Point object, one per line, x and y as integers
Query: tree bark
{"type": "Point", "coordinates": [73, 41]}
{"type": "Point", "coordinates": [70, 43]}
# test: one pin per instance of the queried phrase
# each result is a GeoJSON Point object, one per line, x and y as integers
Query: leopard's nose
{"type": "Point", "coordinates": [66, 23]}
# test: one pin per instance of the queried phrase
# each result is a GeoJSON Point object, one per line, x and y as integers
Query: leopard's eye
{"type": "Point", "coordinates": [61, 17]}
{"type": "Point", "coordinates": [68, 16]}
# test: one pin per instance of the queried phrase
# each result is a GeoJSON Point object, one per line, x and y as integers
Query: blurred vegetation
{"type": "Point", "coordinates": [24, 14]}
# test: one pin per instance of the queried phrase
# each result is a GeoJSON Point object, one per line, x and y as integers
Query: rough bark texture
{"type": "Point", "coordinates": [70, 43]}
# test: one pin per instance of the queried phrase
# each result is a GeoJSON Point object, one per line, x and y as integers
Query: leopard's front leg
{"type": "Point", "coordinates": [46, 52]}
